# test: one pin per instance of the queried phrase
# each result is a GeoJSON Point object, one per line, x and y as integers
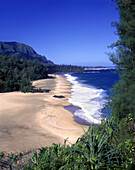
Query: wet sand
{"type": "Point", "coordinates": [72, 109]}
{"type": "Point", "coordinates": [33, 120]}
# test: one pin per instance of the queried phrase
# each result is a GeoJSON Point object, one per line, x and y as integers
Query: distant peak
{"type": "Point", "coordinates": [16, 49]}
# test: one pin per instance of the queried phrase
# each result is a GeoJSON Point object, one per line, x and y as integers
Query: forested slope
{"type": "Point", "coordinates": [110, 145]}
{"type": "Point", "coordinates": [20, 50]}
{"type": "Point", "coordinates": [16, 74]}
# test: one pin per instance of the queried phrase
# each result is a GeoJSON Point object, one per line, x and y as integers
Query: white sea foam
{"type": "Point", "coordinates": [90, 99]}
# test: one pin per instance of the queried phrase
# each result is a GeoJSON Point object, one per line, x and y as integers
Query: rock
{"type": "Point", "coordinates": [59, 96]}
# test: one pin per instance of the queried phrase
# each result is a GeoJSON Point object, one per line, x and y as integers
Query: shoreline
{"type": "Point", "coordinates": [33, 120]}
{"type": "Point", "coordinates": [77, 119]}
{"type": "Point", "coordinates": [61, 122]}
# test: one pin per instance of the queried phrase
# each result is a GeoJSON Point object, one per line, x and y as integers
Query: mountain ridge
{"type": "Point", "coordinates": [16, 49]}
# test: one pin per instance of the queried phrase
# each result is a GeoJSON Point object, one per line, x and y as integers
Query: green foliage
{"type": "Point", "coordinates": [1, 155]}
{"type": "Point", "coordinates": [106, 146]}
{"type": "Point", "coordinates": [103, 147]}
{"type": "Point", "coordinates": [65, 69]}
{"type": "Point", "coordinates": [123, 100]}
{"type": "Point", "coordinates": [110, 145]}
{"type": "Point", "coordinates": [16, 74]}
{"type": "Point", "coordinates": [15, 49]}
{"type": "Point", "coordinates": [49, 158]}
{"type": "Point", "coordinates": [94, 151]}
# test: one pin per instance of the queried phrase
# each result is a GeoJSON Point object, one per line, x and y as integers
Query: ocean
{"type": "Point", "coordinates": [91, 92]}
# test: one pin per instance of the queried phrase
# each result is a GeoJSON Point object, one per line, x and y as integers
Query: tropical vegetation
{"type": "Point", "coordinates": [65, 68]}
{"type": "Point", "coordinates": [107, 146]}
{"type": "Point", "coordinates": [123, 100]}
{"type": "Point", "coordinates": [110, 145]}
{"type": "Point", "coordinates": [16, 74]}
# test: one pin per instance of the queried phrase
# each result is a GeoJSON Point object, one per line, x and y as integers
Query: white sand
{"type": "Point", "coordinates": [32, 120]}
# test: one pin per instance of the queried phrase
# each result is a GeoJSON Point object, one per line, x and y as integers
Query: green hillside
{"type": "Point", "coordinates": [16, 74]}
{"type": "Point", "coordinates": [15, 49]}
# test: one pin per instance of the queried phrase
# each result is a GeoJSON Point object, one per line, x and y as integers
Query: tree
{"type": "Point", "coordinates": [123, 100]}
{"type": "Point", "coordinates": [16, 74]}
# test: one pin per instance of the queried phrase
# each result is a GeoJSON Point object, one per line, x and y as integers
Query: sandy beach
{"type": "Point", "coordinates": [33, 120]}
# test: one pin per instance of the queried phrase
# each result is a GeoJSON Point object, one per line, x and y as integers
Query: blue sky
{"type": "Point", "coordinates": [65, 31]}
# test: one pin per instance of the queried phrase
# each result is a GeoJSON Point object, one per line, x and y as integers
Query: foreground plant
{"type": "Point", "coordinates": [94, 151]}
{"type": "Point", "coordinates": [106, 146]}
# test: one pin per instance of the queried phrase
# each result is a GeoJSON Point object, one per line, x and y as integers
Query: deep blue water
{"type": "Point", "coordinates": [91, 92]}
